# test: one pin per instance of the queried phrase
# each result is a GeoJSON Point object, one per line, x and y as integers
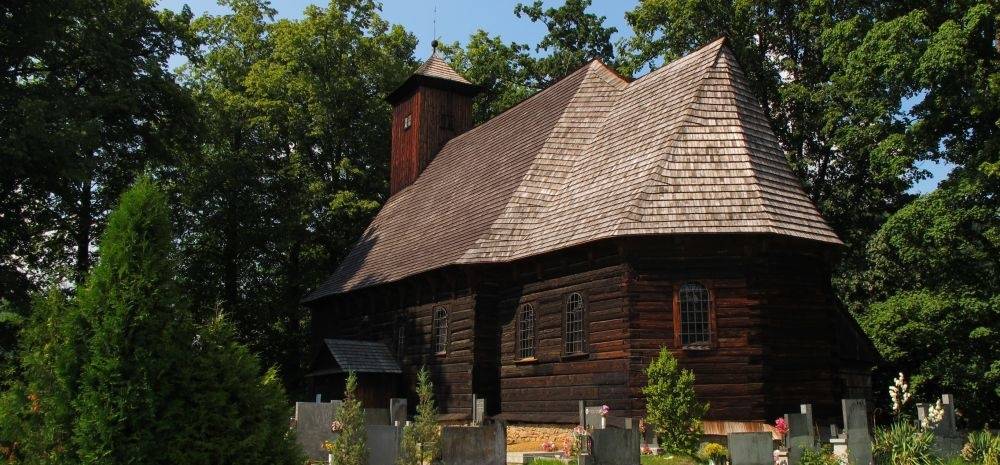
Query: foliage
{"type": "Point", "coordinates": [982, 447]}
{"type": "Point", "coordinates": [667, 460]}
{"type": "Point", "coordinates": [714, 452]}
{"type": "Point", "coordinates": [349, 447]}
{"type": "Point", "coordinates": [119, 374]}
{"type": "Point", "coordinates": [574, 37]}
{"type": "Point", "coordinates": [422, 440]}
{"type": "Point", "coordinates": [292, 161]}
{"type": "Point", "coordinates": [233, 412]}
{"type": "Point", "coordinates": [671, 406]}
{"type": "Point", "coordinates": [822, 456]}
{"type": "Point", "coordinates": [137, 335]}
{"type": "Point", "coordinates": [902, 443]}
{"type": "Point", "coordinates": [503, 71]}
{"type": "Point", "coordinates": [36, 409]}
{"type": "Point", "coordinates": [86, 103]}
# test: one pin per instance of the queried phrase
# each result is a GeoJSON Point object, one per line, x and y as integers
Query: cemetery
{"type": "Point", "coordinates": [929, 437]}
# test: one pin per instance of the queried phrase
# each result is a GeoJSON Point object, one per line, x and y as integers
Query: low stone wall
{"type": "Point", "coordinates": [530, 437]}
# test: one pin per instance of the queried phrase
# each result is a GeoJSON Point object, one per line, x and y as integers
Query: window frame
{"type": "Point", "coordinates": [518, 339]}
{"type": "Point", "coordinates": [713, 341]}
{"type": "Point", "coordinates": [583, 325]}
{"type": "Point", "coordinates": [436, 334]}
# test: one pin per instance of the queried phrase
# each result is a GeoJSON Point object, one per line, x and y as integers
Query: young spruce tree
{"type": "Point", "coordinates": [350, 448]}
{"type": "Point", "coordinates": [671, 407]}
{"type": "Point", "coordinates": [422, 439]}
{"type": "Point", "coordinates": [121, 375]}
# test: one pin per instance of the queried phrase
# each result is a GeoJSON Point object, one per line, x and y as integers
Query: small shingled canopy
{"type": "Point", "coordinates": [357, 356]}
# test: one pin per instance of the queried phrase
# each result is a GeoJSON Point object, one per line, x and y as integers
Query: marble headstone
{"type": "Point", "coordinates": [312, 426]}
{"type": "Point", "coordinates": [594, 419]}
{"type": "Point", "coordinates": [383, 444]}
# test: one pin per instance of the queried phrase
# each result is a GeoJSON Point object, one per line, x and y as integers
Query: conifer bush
{"type": "Point", "coordinates": [350, 446]}
{"type": "Point", "coordinates": [422, 439]}
{"type": "Point", "coordinates": [671, 407]}
{"type": "Point", "coordinates": [121, 374]}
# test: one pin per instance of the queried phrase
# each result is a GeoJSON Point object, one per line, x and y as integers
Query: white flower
{"type": "Point", "coordinates": [935, 413]}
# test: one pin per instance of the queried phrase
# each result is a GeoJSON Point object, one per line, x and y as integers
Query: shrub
{"type": "Point", "coordinates": [671, 407]}
{"type": "Point", "coordinates": [822, 456]}
{"type": "Point", "coordinates": [350, 448]}
{"type": "Point", "coordinates": [903, 444]}
{"type": "Point", "coordinates": [982, 447]}
{"type": "Point", "coordinates": [422, 439]}
{"type": "Point", "coordinates": [714, 452]}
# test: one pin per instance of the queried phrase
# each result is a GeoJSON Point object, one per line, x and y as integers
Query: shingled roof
{"type": "Point", "coordinates": [685, 149]}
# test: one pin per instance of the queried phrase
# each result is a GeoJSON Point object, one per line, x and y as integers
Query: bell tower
{"type": "Point", "coordinates": [433, 105]}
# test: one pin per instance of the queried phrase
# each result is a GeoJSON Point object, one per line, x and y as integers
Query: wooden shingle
{"type": "Point", "coordinates": [685, 149]}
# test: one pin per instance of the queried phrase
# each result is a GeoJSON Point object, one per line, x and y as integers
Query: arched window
{"type": "Point", "coordinates": [573, 331]}
{"type": "Point", "coordinates": [440, 330]}
{"type": "Point", "coordinates": [526, 332]}
{"type": "Point", "coordinates": [695, 304]}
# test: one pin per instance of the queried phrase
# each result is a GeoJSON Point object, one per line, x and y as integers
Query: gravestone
{"type": "Point", "coordinates": [751, 449]}
{"type": "Point", "coordinates": [474, 445]}
{"type": "Point", "coordinates": [948, 425]}
{"type": "Point", "coordinates": [859, 441]}
{"type": "Point", "coordinates": [583, 414]}
{"type": "Point", "coordinates": [947, 441]}
{"type": "Point", "coordinates": [312, 426]}
{"type": "Point", "coordinates": [800, 436]}
{"type": "Point", "coordinates": [377, 416]}
{"type": "Point", "coordinates": [478, 410]}
{"type": "Point", "coordinates": [397, 411]}
{"type": "Point", "coordinates": [615, 446]}
{"type": "Point", "coordinates": [594, 419]}
{"type": "Point", "coordinates": [383, 444]}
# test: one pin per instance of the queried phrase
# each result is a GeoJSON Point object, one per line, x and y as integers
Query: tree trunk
{"type": "Point", "coordinates": [84, 223]}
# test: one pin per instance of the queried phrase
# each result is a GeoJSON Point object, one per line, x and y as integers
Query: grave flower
{"type": "Point", "coordinates": [548, 446]}
{"type": "Point", "coordinates": [580, 430]}
{"type": "Point", "coordinates": [336, 426]}
{"type": "Point", "coordinates": [604, 410]}
{"type": "Point", "coordinates": [935, 413]}
{"type": "Point", "coordinates": [642, 425]}
{"type": "Point", "coordinates": [781, 426]}
{"type": "Point", "coordinates": [899, 393]}
{"type": "Point", "coordinates": [646, 450]}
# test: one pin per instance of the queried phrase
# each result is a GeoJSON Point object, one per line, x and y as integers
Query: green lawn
{"type": "Point", "coordinates": [667, 460]}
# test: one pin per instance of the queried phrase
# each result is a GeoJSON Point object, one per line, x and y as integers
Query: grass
{"type": "Point", "coordinates": [667, 460]}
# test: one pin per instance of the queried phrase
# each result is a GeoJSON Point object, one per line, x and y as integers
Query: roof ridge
{"type": "Point", "coordinates": [668, 155]}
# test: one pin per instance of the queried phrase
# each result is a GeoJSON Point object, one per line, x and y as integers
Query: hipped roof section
{"type": "Point", "coordinates": [685, 149]}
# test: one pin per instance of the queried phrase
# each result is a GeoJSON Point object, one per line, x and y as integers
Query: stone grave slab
{"type": "Point", "coordinates": [397, 411]}
{"type": "Point", "coordinates": [377, 416]}
{"type": "Point", "coordinates": [751, 449]}
{"type": "Point", "coordinates": [594, 419]}
{"type": "Point", "coordinates": [616, 446]}
{"type": "Point", "coordinates": [474, 445]}
{"type": "Point", "coordinates": [800, 436]}
{"type": "Point", "coordinates": [312, 426]}
{"type": "Point", "coordinates": [859, 441]}
{"type": "Point", "coordinates": [383, 444]}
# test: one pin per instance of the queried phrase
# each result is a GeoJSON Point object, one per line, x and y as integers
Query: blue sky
{"type": "Point", "coordinates": [457, 19]}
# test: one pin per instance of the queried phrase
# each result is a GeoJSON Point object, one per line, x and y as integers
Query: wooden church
{"type": "Point", "coordinates": [545, 256]}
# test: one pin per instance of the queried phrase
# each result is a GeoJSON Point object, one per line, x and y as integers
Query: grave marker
{"type": "Point", "coordinates": [594, 418]}
{"type": "Point", "coordinates": [615, 446]}
{"type": "Point", "coordinates": [474, 445]}
{"type": "Point", "coordinates": [800, 436]}
{"type": "Point", "coordinates": [859, 441]}
{"type": "Point", "coordinates": [383, 444]}
{"type": "Point", "coordinates": [312, 426]}
{"type": "Point", "coordinates": [397, 411]}
{"type": "Point", "coordinates": [751, 448]}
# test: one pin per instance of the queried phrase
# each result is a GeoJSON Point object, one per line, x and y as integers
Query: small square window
{"type": "Point", "coordinates": [407, 121]}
